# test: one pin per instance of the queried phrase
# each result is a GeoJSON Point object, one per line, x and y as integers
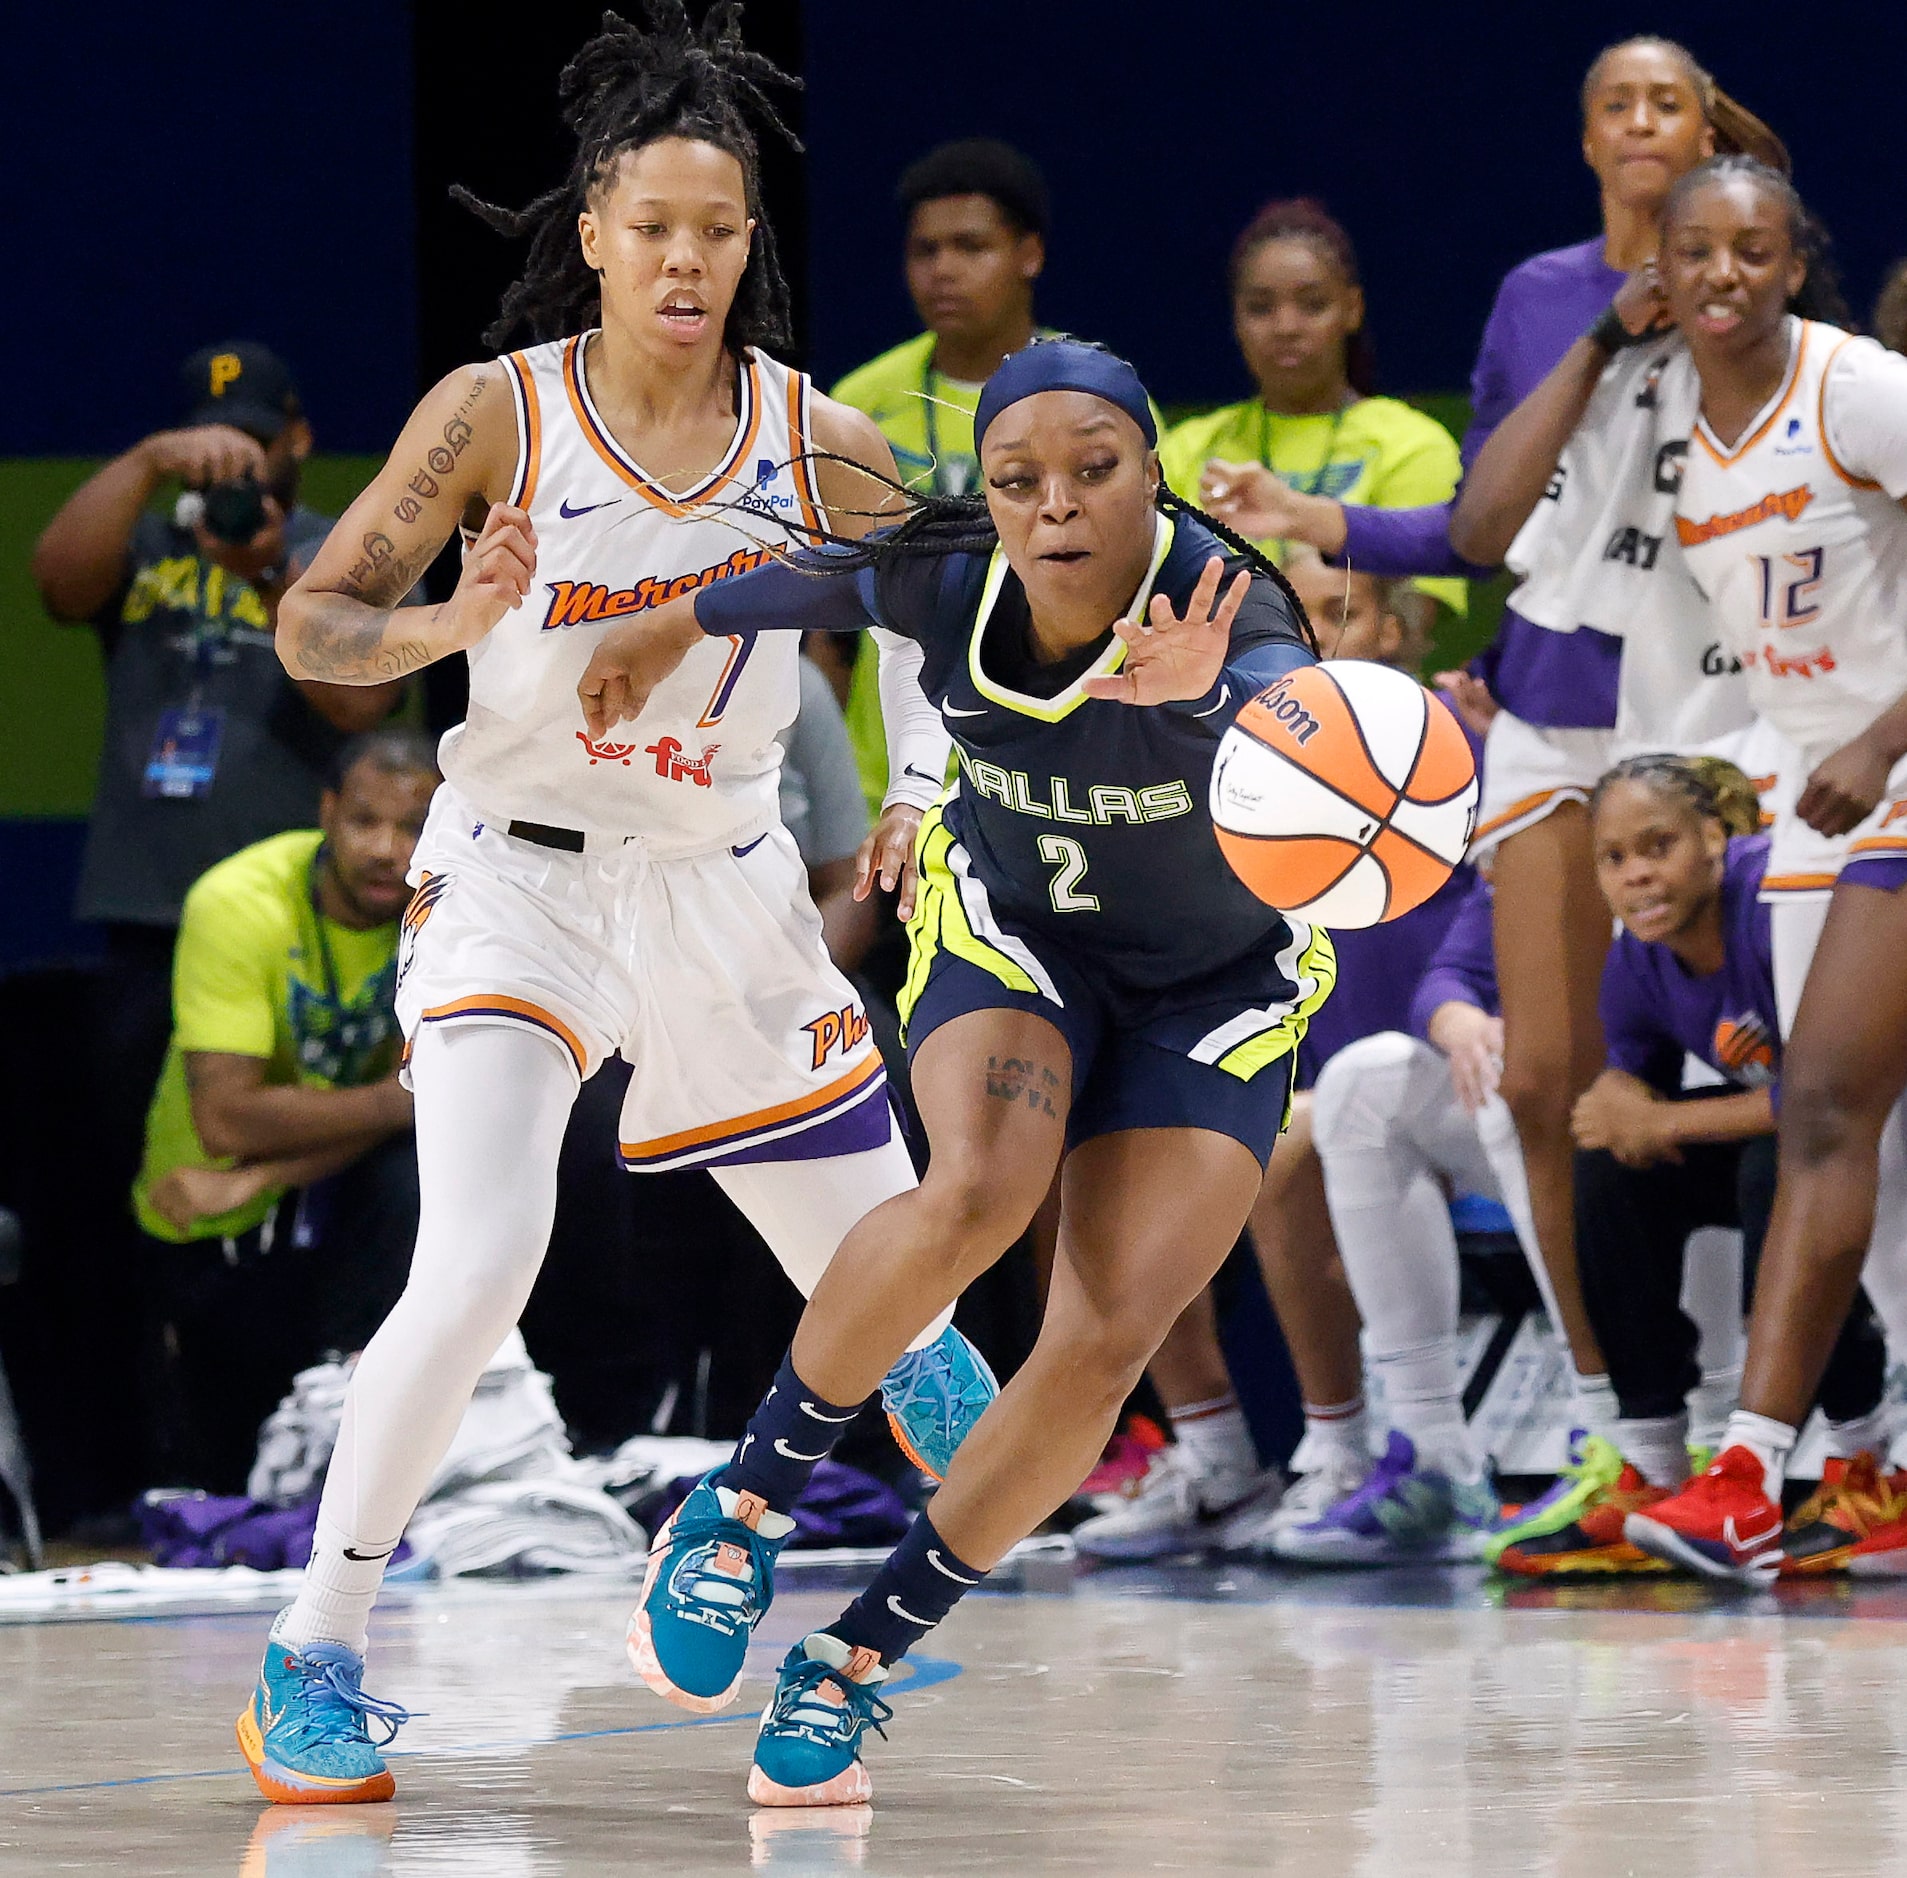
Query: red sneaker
{"type": "Point", "coordinates": [1722, 1524]}
{"type": "Point", "coordinates": [1854, 1501]}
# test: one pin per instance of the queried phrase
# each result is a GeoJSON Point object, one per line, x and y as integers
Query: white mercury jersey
{"type": "Point", "coordinates": [1600, 550]}
{"type": "Point", "coordinates": [1797, 537]}
{"type": "Point", "coordinates": [700, 768]}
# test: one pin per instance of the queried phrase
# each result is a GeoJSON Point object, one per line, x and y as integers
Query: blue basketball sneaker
{"type": "Point", "coordinates": [711, 1576]}
{"type": "Point", "coordinates": [934, 1396]}
{"type": "Point", "coordinates": [808, 1752]}
{"type": "Point", "coordinates": [1403, 1514]}
{"type": "Point", "coordinates": [306, 1731]}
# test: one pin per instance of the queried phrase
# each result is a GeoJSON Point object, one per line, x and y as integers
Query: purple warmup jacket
{"type": "Point", "coordinates": [1463, 968]}
{"type": "Point", "coordinates": [1543, 306]}
{"type": "Point", "coordinates": [1655, 1010]}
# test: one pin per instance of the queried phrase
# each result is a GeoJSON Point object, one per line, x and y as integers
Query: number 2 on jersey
{"type": "Point", "coordinates": [1064, 853]}
{"type": "Point", "coordinates": [1797, 598]}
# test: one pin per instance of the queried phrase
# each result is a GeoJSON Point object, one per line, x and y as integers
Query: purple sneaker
{"type": "Point", "coordinates": [1402, 1515]}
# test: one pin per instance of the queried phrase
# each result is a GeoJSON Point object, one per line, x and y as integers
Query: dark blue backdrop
{"type": "Point", "coordinates": [194, 170]}
{"type": "Point", "coordinates": [1446, 137]}
{"type": "Point", "coordinates": [180, 172]}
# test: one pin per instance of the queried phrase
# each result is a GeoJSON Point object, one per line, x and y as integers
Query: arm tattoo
{"type": "Point", "coordinates": [440, 459]}
{"type": "Point", "coordinates": [343, 637]}
{"type": "Point", "coordinates": [1019, 1080]}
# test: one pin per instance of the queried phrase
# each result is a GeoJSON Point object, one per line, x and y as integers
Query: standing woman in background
{"type": "Point", "coordinates": [1650, 114]}
{"type": "Point", "coordinates": [1299, 318]}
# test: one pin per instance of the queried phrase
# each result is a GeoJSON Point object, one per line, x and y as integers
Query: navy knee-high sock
{"type": "Point", "coordinates": [920, 1583]}
{"type": "Point", "coordinates": [792, 1432]}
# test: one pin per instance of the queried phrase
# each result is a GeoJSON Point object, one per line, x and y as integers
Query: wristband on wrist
{"type": "Point", "coordinates": [1611, 334]}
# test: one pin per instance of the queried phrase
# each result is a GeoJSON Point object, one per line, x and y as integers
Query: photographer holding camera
{"type": "Point", "coordinates": [208, 746]}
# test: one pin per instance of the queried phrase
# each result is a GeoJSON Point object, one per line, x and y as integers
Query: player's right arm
{"type": "Point", "coordinates": [453, 463]}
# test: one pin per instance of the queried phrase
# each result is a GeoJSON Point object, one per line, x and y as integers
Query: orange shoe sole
{"type": "Point", "coordinates": [284, 1788]}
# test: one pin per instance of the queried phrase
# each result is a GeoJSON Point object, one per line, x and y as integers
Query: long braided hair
{"type": "Point", "coordinates": [628, 87]}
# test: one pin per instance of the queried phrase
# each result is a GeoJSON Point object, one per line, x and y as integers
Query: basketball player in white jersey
{"type": "Point", "coordinates": [578, 897]}
{"type": "Point", "coordinates": [1790, 518]}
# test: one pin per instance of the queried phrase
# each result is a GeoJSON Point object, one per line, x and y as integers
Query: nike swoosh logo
{"type": "Point", "coordinates": [954, 710]}
{"type": "Point", "coordinates": [569, 514]}
{"type": "Point", "coordinates": [1224, 692]}
{"type": "Point", "coordinates": [1742, 1542]}
{"type": "Point", "coordinates": [910, 770]}
{"type": "Point", "coordinates": [814, 1414]}
{"type": "Point", "coordinates": [750, 848]}
{"type": "Point", "coordinates": [900, 1610]}
{"type": "Point", "coordinates": [934, 1559]}
{"type": "Point", "coordinates": [789, 1454]}
{"type": "Point", "coordinates": [368, 1558]}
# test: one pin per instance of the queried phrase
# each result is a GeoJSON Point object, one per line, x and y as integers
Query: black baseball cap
{"type": "Point", "coordinates": [242, 384]}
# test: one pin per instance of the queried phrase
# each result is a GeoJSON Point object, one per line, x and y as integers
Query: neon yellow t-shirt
{"type": "Point", "coordinates": [249, 978]}
{"type": "Point", "coordinates": [1377, 452]}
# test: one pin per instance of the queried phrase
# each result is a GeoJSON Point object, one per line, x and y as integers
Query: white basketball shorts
{"type": "Point", "coordinates": [1530, 771]}
{"type": "Point", "coordinates": [706, 973]}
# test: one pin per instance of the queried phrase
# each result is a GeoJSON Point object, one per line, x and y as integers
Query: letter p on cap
{"type": "Point", "coordinates": [225, 369]}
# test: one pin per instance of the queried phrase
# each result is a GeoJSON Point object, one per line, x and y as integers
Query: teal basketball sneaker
{"type": "Point", "coordinates": [934, 1396]}
{"type": "Point", "coordinates": [808, 1752]}
{"type": "Point", "coordinates": [306, 1733]}
{"type": "Point", "coordinates": [711, 1576]}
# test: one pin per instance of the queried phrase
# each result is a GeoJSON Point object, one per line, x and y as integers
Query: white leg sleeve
{"type": "Point", "coordinates": [492, 1104]}
{"type": "Point", "coordinates": [1794, 930]}
{"type": "Point", "coordinates": [804, 1209]}
{"type": "Point", "coordinates": [1387, 1124]}
{"type": "Point", "coordinates": [1496, 1130]}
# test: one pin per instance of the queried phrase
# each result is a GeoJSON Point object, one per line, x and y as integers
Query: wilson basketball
{"type": "Point", "coordinates": [1345, 794]}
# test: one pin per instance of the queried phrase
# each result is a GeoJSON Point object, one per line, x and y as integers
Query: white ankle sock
{"type": "Point", "coordinates": [1866, 1433]}
{"type": "Point", "coordinates": [1657, 1448]}
{"type": "Point", "coordinates": [1337, 1435]}
{"type": "Point", "coordinates": [1593, 1400]}
{"type": "Point", "coordinates": [1215, 1438]}
{"type": "Point", "coordinates": [1423, 1395]}
{"type": "Point", "coordinates": [1711, 1402]}
{"type": "Point", "coordinates": [334, 1603]}
{"type": "Point", "coordinates": [1769, 1441]}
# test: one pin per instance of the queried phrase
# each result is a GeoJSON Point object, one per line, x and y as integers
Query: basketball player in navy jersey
{"type": "Point", "coordinates": [1090, 986]}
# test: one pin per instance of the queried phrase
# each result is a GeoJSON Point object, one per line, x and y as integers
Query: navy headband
{"type": "Point", "coordinates": [1064, 365]}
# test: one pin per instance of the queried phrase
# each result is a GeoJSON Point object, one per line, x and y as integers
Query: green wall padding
{"type": "Point", "coordinates": [51, 698]}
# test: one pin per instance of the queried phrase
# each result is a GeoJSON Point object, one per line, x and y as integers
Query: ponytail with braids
{"type": "Point", "coordinates": [629, 87]}
{"type": "Point", "coordinates": [1716, 789]}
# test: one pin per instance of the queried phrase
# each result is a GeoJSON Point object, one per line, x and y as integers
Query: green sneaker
{"type": "Point", "coordinates": [1593, 1465]}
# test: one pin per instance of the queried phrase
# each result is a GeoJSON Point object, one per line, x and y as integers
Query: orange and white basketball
{"type": "Point", "coordinates": [1345, 795]}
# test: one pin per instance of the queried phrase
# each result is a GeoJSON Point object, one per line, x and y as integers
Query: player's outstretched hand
{"type": "Point", "coordinates": [496, 576]}
{"type": "Point", "coordinates": [632, 659]}
{"type": "Point", "coordinates": [1844, 789]}
{"type": "Point", "coordinates": [888, 854]}
{"type": "Point", "coordinates": [1171, 657]}
{"type": "Point", "coordinates": [1262, 506]}
{"type": "Point", "coordinates": [1469, 697]}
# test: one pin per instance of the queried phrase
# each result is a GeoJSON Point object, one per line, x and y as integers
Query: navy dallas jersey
{"type": "Point", "coordinates": [1086, 819]}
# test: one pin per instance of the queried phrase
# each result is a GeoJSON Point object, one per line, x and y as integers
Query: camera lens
{"type": "Point", "coordinates": [235, 511]}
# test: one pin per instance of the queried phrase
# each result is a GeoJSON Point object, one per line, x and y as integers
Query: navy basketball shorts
{"type": "Point", "coordinates": [1216, 1051]}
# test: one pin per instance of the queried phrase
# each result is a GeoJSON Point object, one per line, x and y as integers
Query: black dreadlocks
{"type": "Point", "coordinates": [628, 87]}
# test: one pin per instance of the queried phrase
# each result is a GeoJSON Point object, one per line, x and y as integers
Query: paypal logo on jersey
{"type": "Point", "coordinates": [1794, 441]}
{"type": "Point", "coordinates": [761, 497]}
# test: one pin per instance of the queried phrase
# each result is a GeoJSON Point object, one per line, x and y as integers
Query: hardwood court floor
{"type": "Point", "coordinates": [1398, 1725]}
